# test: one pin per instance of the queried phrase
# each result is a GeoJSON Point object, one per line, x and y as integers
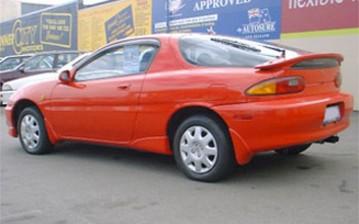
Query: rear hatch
{"type": "Point", "coordinates": [321, 72]}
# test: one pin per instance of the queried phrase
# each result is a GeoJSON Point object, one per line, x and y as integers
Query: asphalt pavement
{"type": "Point", "coordinates": [89, 184]}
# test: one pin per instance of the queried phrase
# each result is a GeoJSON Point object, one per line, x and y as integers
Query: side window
{"type": "Point", "coordinates": [10, 63]}
{"type": "Point", "coordinates": [118, 61]}
{"type": "Point", "coordinates": [41, 62]}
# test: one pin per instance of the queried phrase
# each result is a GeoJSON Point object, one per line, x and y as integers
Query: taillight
{"type": "Point", "coordinates": [277, 86]}
{"type": "Point", "coordinates": [338, 80]}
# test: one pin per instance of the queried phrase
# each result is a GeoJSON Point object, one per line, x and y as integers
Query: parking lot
{"type": "Point", "coordinates": [86, 184]}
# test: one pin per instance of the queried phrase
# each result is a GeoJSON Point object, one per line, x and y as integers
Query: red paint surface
{"type": "Point", "coordinates": [139, 116]}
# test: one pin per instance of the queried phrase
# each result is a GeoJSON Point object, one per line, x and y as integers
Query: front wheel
{"type": "Point", "coordinates": [293, 150]}
{"type": "Point", "coordinates": [203, 149]}
{"type": "Point", "coordinates": [32, 132]}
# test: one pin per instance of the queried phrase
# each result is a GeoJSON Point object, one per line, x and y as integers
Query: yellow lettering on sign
{"type": "Point", "coordinates": [24, 38]}
{"type": "Point", "coordinates": [6, 40]}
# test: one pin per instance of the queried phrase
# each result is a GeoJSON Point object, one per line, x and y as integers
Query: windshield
{"type": "Point", "coordinates": [40, 62]}
{"type": "Point", "coordinates": [74, 62]}
{"type": "Point", "coordinates": [221, 51]}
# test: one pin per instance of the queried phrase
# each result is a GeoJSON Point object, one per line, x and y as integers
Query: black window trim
{"type": "Point", "coordinates": [148, 42]}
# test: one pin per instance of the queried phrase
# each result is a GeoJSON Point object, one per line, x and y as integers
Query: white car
{"type": "Point", "coordinates": [10, 87]}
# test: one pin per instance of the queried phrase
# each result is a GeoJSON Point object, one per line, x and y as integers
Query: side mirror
{"type": "Point", "coordinates": [65, 76]}
{"type": "Point", "coordinates": [22, 69]}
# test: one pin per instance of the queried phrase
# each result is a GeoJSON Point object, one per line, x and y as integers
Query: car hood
{"type": "Point", "coordinates": [31, 91]}
{"type": "Point", "coordinates": [17, 83]}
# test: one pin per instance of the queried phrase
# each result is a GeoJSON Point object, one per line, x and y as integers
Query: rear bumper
{"type": "Point", "coordinates": [268, 125]}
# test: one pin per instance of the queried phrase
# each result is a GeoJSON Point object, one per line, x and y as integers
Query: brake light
{"type": "Point", "coordinates": [338, 80]}
{"type": "Point", "coordinates": [277, 86]}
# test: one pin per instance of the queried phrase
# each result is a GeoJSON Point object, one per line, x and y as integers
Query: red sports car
{"type": "Point", "coordinates": [211, 101]}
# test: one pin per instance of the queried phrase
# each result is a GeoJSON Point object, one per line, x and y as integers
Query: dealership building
{"type": "Point", "coordinates": [314, 25]}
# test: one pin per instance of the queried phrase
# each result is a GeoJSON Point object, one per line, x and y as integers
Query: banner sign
{"type": "Point", "coordinates": [120, 25]}
{"type": "Point", "coordinates": [56, 29]}
{"type": "Point", "coordinates": [316, 15]}
{"type": "Point", "coordinates": [106, 23]}
{"type": "Point", "coordinates": [250, 19]}
{"type": "Point", "coordinates": [51, 29]}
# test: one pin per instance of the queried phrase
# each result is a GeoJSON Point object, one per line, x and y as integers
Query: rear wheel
{"type": "Point", "coordinates": [293, 150]}
{"type": "Point", "coordinates": [203, 150]}
{"type": "Point", "coordinates": [32, 132]}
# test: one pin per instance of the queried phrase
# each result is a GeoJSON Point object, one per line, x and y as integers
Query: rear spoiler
{"type": "Point", "coordinates": [283, 62]}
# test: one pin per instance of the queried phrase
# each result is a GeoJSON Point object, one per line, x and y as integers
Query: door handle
{"type": "Point", "coordinates": [124, 86]}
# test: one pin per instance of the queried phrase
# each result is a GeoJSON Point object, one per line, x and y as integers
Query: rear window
{"type": "Point", "coordinates": [221, 51]}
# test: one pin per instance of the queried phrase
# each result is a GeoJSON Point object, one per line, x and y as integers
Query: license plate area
{"type": "Point", "coordinates": [332, 114]}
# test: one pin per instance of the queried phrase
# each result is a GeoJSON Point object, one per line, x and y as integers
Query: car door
{"type": "Point", "coordinates": [102, 102]}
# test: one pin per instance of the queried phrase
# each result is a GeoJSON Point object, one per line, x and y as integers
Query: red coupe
{"type": "Point", "coordinates": [211, 101]}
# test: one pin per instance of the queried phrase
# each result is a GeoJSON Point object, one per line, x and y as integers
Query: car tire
{"type": "Point", "coordinates": [203, 149]}
{"type": "Point", "coordinates": [32, 132]}
{"type": "Point", "coordinates": [293, 150]}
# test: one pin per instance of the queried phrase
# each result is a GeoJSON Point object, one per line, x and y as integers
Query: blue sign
{"type": "Point", "coordinates": [160, 17]}
{"type": "Point", "coordinates": [50, 29]}
{"type": "Point", "coordinates": [120, 25]}
{"type": "Point", "coordinates": [250, 19]}
{"type": "Point", "coordinates": [56, 29]}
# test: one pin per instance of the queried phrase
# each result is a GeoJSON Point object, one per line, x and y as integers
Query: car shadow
{"type": "Point", "coordinates": [116, 156]}
{"type": "Point", "coordinates": [264, 167]}
{"type": "Point", "coordinates": [271, 166]}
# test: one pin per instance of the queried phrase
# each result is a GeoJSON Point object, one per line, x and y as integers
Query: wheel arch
{"type": "Point", "coordinates": [179, 116]}
{"type": "Point", "coordinates": [20, 106]}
